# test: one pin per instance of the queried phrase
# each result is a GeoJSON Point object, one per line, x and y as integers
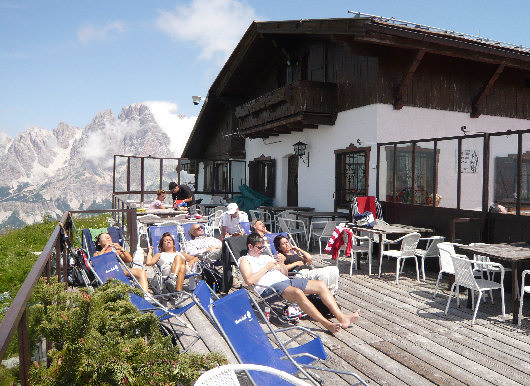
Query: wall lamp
{"type": "Point", "coordinates": [300, 151]}
{"type": "Point", "coordinates": [196, 99]}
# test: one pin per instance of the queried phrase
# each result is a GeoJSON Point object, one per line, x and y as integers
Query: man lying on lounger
{"type": "Point", "coordinates": [263, 270]}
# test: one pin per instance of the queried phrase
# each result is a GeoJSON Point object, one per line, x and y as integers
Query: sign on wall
{"type": "Point", "coordinates": [469, 161]}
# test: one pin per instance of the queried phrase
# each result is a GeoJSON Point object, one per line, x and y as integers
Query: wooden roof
{"type": "Point", "coordinates": [255, 45]}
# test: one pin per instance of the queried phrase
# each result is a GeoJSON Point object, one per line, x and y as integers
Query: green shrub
{"type": "Point", "coordinates": [102, 338]}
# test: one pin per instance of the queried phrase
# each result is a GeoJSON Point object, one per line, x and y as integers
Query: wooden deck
{"type": "Point", "coordinates": [403, 336]}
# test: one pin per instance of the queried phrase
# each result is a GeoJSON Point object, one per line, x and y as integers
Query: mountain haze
{"type": "Point", "coordinates": [48, 172]}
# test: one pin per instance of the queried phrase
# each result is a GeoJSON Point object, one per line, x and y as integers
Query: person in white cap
{"type": "Point", "coordinates": [231, 219]}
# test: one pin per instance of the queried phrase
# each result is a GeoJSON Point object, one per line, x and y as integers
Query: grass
{"type": "Point", "coordinates": [18, 253]}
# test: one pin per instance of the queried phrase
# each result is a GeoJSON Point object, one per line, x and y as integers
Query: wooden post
{"type": "Point", "coordinates": [23, 348]}
{"type": "Point", "coordinates": [519, 173]}
{"type": "Point", "coordinates": [459, 175]}
{"type": "Point", "coordinates": [412, 199]}
{"type": "Point", "coordinates": [377, 172]}
{"type": "Point", "coordinates": [142, 179]}
{"type": "Point", "coordinates": [434, 173]}
{"type": "Point", "coordinates": [58, 259]}
{"type": "Point", "coordinates": [394, 174]}
{"type": "Point", "coordinates": [161, 172]}
{"type": "Point", "coordinates": [131, 230]}
{"type": "Point", "coordinates": [486, 173]}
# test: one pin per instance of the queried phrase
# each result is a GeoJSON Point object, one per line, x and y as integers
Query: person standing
{"type": "Point", "coordinates": [181, 192]}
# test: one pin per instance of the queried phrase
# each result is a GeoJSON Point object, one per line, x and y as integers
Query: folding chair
{"type": "Point", "coordinates": [245, 227]}
{"type": "Point", "coordinates": [226, 375]}
{"type": "Point", "coordinates": [270, 238]}
{"type": "Point", "coordinates": [156, 232]}
{"type": "Point", "coordinates": [263, 216]}
{"type": "Point", "coordinates": [241, 329]}
{"type": "Point", "coordinates": [89, 244]}
{"type": "Point", "coordinates": [109, 266]}
{"type": "Point", "coordinates": [315, 232]}
{"type": "Point", "coordinates": [431, 250]}
{"type": "Point", "coordinates": [294, 228]}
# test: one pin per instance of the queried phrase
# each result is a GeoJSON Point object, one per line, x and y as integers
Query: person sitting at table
{"type": "Point", "coordinates": [104, 244]}
{"type": "Point", "coordinates": [257, 226]}
{"type": "Point", "coordinates": [262, 271]}
{"type": "Point", "coordinates": [298, 261]}
{"type": "Point", "coordinates": [172, 264]}
{"type": "Point", "coordinates": [159, 202]}
{"type": "Point", "coordinates": [203, 246]}
{"type": "Point", "coordinates": [231, 219]}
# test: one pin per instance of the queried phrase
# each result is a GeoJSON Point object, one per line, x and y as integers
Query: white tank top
{"type": "Point", "coordinates": [167, 258]}
{"type": "Point", "coordinates": [271, 277]}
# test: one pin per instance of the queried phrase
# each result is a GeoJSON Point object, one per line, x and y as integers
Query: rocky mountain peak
{"type": "Point", "coordinates": [65, 133]}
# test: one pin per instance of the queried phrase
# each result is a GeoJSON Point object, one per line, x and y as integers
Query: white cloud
{"type": "Point", "coordinates": [216, 26]}
{"type": "Point", "coordinates": [90, 32]}
{"type": "Point", "coordinates": [177, 127]}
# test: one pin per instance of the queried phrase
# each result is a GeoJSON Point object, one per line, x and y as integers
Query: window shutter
{"type": "Point", "coordinates": [271, 179]}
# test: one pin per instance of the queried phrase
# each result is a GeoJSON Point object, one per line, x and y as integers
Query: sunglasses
{"type": "Point", "coordinates": [260, 248]}
{"type": "Point", "coordinates": [197, 229]}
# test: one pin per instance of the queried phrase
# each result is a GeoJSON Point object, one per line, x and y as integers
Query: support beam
{"type": "Point", "coordinates": [398, 97]}
{"type": "Point", "coordinates": [477, 104]}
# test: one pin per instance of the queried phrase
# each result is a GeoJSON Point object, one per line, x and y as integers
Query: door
{"type": "Point", "coordinates": [292, 181]}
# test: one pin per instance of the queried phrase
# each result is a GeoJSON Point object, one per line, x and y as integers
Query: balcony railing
{"type": "Point", "coordinates": [299, 105]}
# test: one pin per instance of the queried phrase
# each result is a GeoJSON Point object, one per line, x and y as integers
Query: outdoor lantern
{"type": "Point", "coordinates": [300, 151]}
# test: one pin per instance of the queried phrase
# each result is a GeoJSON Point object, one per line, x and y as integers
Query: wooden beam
{"type": "Point", "coordinates": [398, 97]}
{"type": "Point", "coordinates": [476, 106]}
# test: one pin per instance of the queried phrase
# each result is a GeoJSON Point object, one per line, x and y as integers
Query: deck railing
{"type": "Point", "coordinates": [16, 317]}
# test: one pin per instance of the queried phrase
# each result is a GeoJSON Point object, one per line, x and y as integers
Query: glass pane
{"type": "Point", "coordinates": [353, 176]}
{"type": "Point", "coordinates": [187, 173]}
{"type": "Point", "coordinates": [424, 174]}
{"type": "Point", "coordinates": [152, 174]}
{"type": "Point", "coordinates": [221, 176]}
{"type": "Point", "coordinates": [385, 194]}
{"type": "Point", "coordinates": [446, 185]}
{"type": "Point", "coordinates": [525, 178]}
{"type": "Point", "coordinates": [169, 172]}
{"type": "Point", "coordinates": [238, 175]}
{"type": "Point", "coordinates": [135, 174]}
{"type": "Point", "coordinates": [503, 173]}
{"type": "Point", "coordinates": [403, 173]}
{"type": "Point", "coordinates": [121, 174]}
{"type": "Point", "coordinates": [471, 166]}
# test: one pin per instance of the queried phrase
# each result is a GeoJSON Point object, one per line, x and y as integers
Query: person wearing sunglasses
{"type": "Point", "coordinates": [265, 271]}
{"type": "Point", "coordinates": [201, 245]}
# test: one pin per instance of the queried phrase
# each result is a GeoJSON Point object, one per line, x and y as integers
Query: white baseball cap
{"type": "Point", "coordinates": [232, 208]}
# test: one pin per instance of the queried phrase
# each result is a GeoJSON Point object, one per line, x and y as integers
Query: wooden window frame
{"type": "Point", "coordinates": [339, 153]}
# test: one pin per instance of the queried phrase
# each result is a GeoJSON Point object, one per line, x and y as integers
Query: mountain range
{"type": "Point", "coordinates": [45, 173]}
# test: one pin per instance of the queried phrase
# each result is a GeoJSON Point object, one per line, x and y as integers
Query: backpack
{"type": "Point", "coordinates": [365, 220]}
{"type": "Point", "coordinates": [212, 277]}
{"type": "Point", "coordinates": [78, 269]}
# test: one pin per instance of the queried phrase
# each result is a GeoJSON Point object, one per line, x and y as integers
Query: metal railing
{"type": "Point", "coordinates": [16, 317]}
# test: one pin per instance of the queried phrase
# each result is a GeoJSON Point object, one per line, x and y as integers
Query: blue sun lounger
{"type": "Point", "coordinates": [241, 329]}
{"type": "Point", "coordinates": [109, 266]}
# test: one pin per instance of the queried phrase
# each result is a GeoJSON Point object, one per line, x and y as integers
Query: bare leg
{"type": "Point", "coordinates": [320, 288]}
{"type": "Point", "coordinates": [141, 276]}
{"type": "Point", "coordinates": [297, 295]}
{"type": "Point", "coordinates": [179, 268]}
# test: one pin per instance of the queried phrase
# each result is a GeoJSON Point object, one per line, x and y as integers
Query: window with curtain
{"type": "Point", "coordinates": [351, 174]}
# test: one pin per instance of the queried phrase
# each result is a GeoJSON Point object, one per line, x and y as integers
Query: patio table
{"type": "Point", "coordinates": [277, 209]}
{"type": "Point", "coordinates": [381, 230]}
{"type": "Point", "coordinates": [510, 253]}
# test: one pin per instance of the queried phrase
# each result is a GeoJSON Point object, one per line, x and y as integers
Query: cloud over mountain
{"type": "Point", "coordinates": [215, 26]}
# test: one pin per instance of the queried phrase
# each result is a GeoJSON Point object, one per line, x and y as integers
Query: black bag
{"type": "Point", "coordinates": [320, 306]}
{"type": "Point", "coordinates": [212, 277]}
{"type": "Point", "coordinates": [79, 263]}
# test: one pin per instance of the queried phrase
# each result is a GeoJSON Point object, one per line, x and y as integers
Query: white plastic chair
{"type": "Point", "coordinates": [464, 277]}
{"type": "Point", "coordinates": [226, 376]}
{"type": "Point", "coordinates": [524, 289]}
{"type": "Point", "coordinates": [264, 216]}
{"type": "Point", "coordinates": [360, 244]}
{"type": "Point", "coordinates": [318, 232]}
{"type": "Point", "coordinates": [431, 250]}
{"type": "Point", "coordinates": [295, 228]}
{"type": "Point", "coordinates": [216, 223]}
{"type": "Point", "coordinates": [480, 269]}
{"type": "Point", "coordinates": [409, 243]}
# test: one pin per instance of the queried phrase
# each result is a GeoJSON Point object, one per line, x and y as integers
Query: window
{"type": "Point", "coordinates": [262, 175]}
{"type": "Point", "coordinates": [351, 177]}
{"type": "Point", "coordinates": [221, 176]}
{"type": "Point", "coordinates": [423, 176]}
{"type": "Point", "coordinates": [506, 179]}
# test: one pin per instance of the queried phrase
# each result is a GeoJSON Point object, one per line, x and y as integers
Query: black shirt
{"type": "Point", "coordinates": [183, 193]}
{"type": "Point", "coordinates": [293, 258]}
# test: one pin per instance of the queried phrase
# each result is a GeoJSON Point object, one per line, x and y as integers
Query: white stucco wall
{"type": "Point", "coordinates": [381, 123]}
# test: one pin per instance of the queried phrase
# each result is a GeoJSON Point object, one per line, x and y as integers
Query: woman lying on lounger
{"type": "Point", "coordinates": [263, 270]}
{"type": "Point", "coordinates": [173, 264]}
{"type": "Point", "coordinates": [104, 244]}
{"type": "Point", "coordinates": [298, 261]}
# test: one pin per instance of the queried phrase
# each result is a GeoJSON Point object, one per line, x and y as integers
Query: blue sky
{"type": "Point", "coordinates": [67, 60]}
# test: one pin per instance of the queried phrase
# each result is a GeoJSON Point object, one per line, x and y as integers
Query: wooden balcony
{"type": "Point", "coordinates": [297, 106]}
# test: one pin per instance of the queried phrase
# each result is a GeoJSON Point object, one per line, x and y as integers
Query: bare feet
{"type": "Point", "coordinates": [332, 327]}
{"type": "Point", "coordinates": [347, 320]}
